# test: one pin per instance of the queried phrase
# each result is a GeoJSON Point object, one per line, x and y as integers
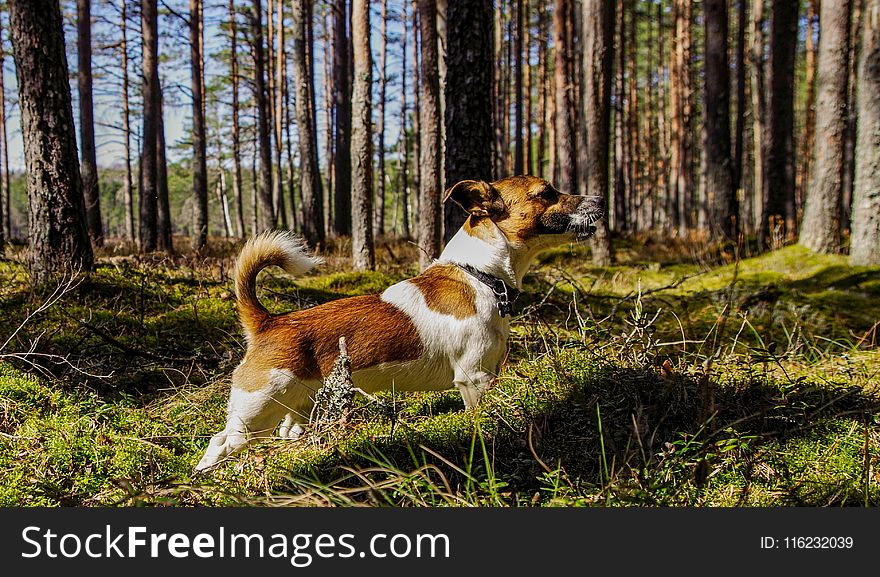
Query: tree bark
{"type": "Point", "coordinates": [278, 116]}
{"type": "Point", "coordinates": [404, 141]}
{"type": "Point", "coordinates": [598, 19]}
{"type": "Point", "coordinates": [779, 223]}
{"type": "Point", "coordinates": [720, 194]}
{"type": "Point", "coordinates": [380, 128]}
{"type": "Point", "coordinates": [865, 240]}
{"type": "Point", "coordinates": [5, 197]}
{"type": "Point", "coordinates": [429, 192]}
{"type": "Point", "coordinates": [199, 162]}
{"type": "Point", "coordinates": [163, 206]}
{"type": "Point", "coordinates": [236, 138]}
{"type": "Point", "coordinates": [312, 194]}
{"type": "Point", "coordinates": [127, 192]}
{"type": "Point", "coordinates": [821, 227]}
{"type": "Point", "coordinates": [363, 252]}
{"type": "Point", "coordinates": [150, 88]}
{"type": "Point", "coordinates": [468, 115]}
{"type": "Point", "coordinates": [267, 217]}
{"type": "Point", "coordinates": [565, 134]}
{"type": "Point", "coordinates": [88, 157]}
{"type": "Point", "coordinates": [342, 104]}
{"type": "Point", "coordinates": [58, 241]}
{"type": "Point", "coordinates": [518, 167]}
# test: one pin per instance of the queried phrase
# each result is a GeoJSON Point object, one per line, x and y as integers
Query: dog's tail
{"type": "Point", "coordinates": [272, 248]}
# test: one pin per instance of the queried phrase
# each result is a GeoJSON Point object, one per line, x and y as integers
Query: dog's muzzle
{"type": "Point", "coordinates": [590, 210]}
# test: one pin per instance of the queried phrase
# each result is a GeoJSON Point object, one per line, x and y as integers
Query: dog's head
{"type": "Point", "coordinates": [528, 210]}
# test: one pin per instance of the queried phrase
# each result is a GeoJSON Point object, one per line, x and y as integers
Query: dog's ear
{"type": "Point", "coordinates": [477, 197]}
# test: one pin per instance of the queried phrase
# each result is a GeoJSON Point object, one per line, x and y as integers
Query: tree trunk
{"type": "Point", "coordinates": [806, 142]}
{"type": "Point", "coordinates": [404, 142]}
{"type": "Point", "coordinates": [312, 194]}
{"type": "Point", "coordinates": [821, 228]}
{"type": "Point", "coordinates": [865, 240]}
{"type": "Point", "coordinates": [468, 115]}
{"type": "Point", "coordinates": [617, 213]}
{"type": "Point", "coordinates": [598, 19]}
{"type": "Point", "coordinates": [518, 167]}
{"type": "Point", "coordinates": [127, 192]}
{"type": "Point", "coordinates": [149, 189]}
{"type": "Point", "coordinates": [429, 205]}
{"type": "Point", "coordinates": [88, 159]}
{"type": "Point", "coordinates": [565, 135]}
{"type": "Point", "coordinates": [58, 241]}
{"type": "Point", "coordinates": [721, 196]}
{"type": "Point", "coordinates": [342, 104]}
{"type": "Point", "coordinates": [163, 207]}
{"type": "Point", "coordinates": [380, 129]}
{"type": "Point", "coordinates": [267, 217]}
{"type": "Point", "coordinates": [779, 223]}
{"type": "Point", "coordinates": [416, 117]}
{"type": "Point", "coordinates": [236, 138]}
{"type": "Point", "coordinates": [759, 111]}
{"type": "Point", "coordinates": [680, 177]}
{"type": "Point", "coordinates": [199, 161]}
{"type": "Point", "coordinates": [740, 118]}
{"type": "Point", "coordinates": [5, 197]}
{"type": "Point", "coordinates": [363, 252]}
{"type": "Point", "coordinates": [278, 116]}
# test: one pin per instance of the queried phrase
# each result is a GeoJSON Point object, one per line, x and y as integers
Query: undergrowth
{"type": "Point", "coordinates": [671, 378]}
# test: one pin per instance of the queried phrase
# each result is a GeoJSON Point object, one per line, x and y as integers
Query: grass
{"type": "Point", "coordinates": [674, 377]}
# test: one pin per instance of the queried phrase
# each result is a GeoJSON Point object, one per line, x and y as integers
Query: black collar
{"type": "Point", "coordinates": [504, 293]}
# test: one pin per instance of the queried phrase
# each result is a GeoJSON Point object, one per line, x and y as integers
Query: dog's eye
{"type": "Point", "coordinates": [549, 193]}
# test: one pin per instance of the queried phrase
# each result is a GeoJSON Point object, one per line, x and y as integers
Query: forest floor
{"type": "Point", "coordinates": [678, 376]}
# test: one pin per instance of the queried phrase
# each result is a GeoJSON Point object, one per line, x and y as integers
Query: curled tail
{"type": "Point", "coordinates": [272, 248]}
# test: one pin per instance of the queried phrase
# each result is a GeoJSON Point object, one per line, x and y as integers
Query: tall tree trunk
{"type": "Point", "coordinates": [518, 167]}
{"type": "Point", "coordinates": [404, 142]}
{"type": "Point", "coordinates": [721, 196]}
{"type": "Point", "coordinates": [267, 217]}
{"type": "Point", "coordinates": [565, 135]}
{"type": "Point", "coordinates": [543, 100]}
{"type": "Point", "coordinates": [127, 192]}
{"type": "Point", "coordinates": [330, 126]}
{"type": "Point", "coordinates": [88, 157]}
{"type": "Point", "coordinates": [865, 239]}
{"type": "Point", "coordinates": [598, 19]}
{"type": "Point", "coordinates": [57, 237]}
{"type": "Point", "coordinates": [362, 248]}
{"type": "Point", "coordinates": [278, 116]}
{"type": "Point", "coordinates": [680, 97]}
{"type": "Point", "coordinates": [759, 110]}
{"type": "Point", "coordinates": [149, 187]}
{"type": "Point", "coordinates": [429, 209]}
{"type": "Point", "coordinates": [342, 104]}
{"type": "Point", "coordinates": [740, 118]}
{"type": "Point", "coordinates": [617, 213]}
{"type": "Point", "coordinates": [850, 137]}
{"type": "Point", "coordinates": [500, 70]}
{"type": "Point", "coordinates": [469, 133]}
{"type": "Point", "coordinates": [779, 210]}
{"type": "Point", "coordinates": [5, 197]}
{"type": "Point", "coordinates": [312, 193]}
{"type": "Point", "coordinates": [822, 211]}
{"type": "Point", "coordinates": [199, 161]}
{"type": "Point", "coordinates": [806, 142]}
{"type": "Point", "coordinates": [163, 206]}
{"type": "Point", "coordinates": [236, 138]}
{"type": "Point", "coordinates": [416, 117]}
{"type": "Point", "coordinates": [380, 129]}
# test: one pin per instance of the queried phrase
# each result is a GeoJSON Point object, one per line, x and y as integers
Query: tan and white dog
{"type": "Point", "coordinates": [445, 327]}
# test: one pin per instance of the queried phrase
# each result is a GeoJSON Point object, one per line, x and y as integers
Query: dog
{"type": "Point", "coordinates": [446, 327]}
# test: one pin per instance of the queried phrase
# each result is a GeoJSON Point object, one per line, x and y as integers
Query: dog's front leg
{"type": "Point", "coordinates": [472, 385]}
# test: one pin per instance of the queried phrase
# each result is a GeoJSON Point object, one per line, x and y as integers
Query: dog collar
{"type": "Point", "coordinates": [504, 293]}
